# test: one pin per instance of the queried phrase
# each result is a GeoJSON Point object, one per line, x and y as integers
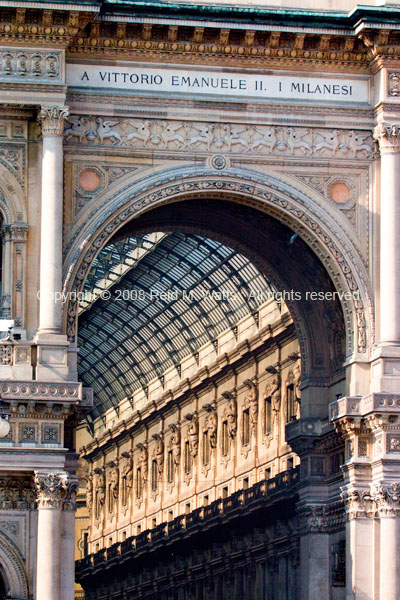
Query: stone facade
{"type": "Point", "coordinates": [283, 143]}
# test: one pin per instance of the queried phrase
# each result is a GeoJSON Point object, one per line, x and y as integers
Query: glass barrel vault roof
{"type": "Point", "coordinates": [170, 293]}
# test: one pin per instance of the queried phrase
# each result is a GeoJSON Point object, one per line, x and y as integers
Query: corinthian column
{"type": "Point", "coordinates": [387, 500]}
{"type": "Point", "coordinates": [68, 540]}
{"type": "Point", "coordinates": [52, 121]}
{"type": "Point", "coordinates": [388, 137]}
{"type": "Point", "coordinates": [51, 490]}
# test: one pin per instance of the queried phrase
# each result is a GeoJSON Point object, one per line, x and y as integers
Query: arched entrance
{"type": "Point", "coordinates": [258, 215]}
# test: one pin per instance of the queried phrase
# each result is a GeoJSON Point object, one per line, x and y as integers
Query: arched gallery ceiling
{"type": "Point", "coordinates": [164, 304]}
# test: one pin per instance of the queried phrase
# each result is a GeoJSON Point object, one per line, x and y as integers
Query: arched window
{"type": "Point", "coordinates": [267, 415]}
{"type": "Point", "coordinates": [170, 466]}
{"type": "Point", "coordinates": [290, 407]}
{"type": "Point", "coordinates": [154, 475]}
{"type": "Point", "coordinates": [139, 483]}
{"type": "Point", "coordinates": [246, 427]}
{"type": "Point", "coordinates": [124, 491]}
{"type": "Point", "coordinates": [187, 458]}
{"type": "Point", "coordinates": [225, 438]}
{"type": "Point", "coordinates": [206, 448]}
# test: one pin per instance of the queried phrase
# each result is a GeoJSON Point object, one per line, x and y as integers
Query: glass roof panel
{"type": "Point", "coordinates": [176, 293]}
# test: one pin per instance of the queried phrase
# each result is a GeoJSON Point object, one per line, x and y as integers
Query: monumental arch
{"type": "Point", "coordinates": [202, 444]}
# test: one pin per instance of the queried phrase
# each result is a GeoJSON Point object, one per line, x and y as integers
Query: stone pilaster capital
{"type": "Point", "coordinates": [386, 497]}
{"type": "Point", "coordinates": [357, 502]}
{"type": "Point", "coordinates": [313, 518]}
{"type": "Point", "coordinates": [388, 137]}
{"type": "Point", "coordinates": [71, 488]}
{"type": "Point", "coordinates": [55, 489]}
{"type": "Point", "coordinates": [18, 231]}
{"type": "Point", "coordinates": [52, 119]}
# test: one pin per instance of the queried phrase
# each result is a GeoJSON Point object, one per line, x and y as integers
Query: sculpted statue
{"type": "Point", "coordinates": [143, 461]}
{"type": "Point", "coordinates": [273, 391]}
{"type": "Point", "coordinates": [252, 401]}
{"type": "Point", "coordinates": [89, 492]}
{"type": "Point", "coordinates": [175, 444]}
{"type": "Point", "coordinates": [297, 380]}
{"type": "Point", "coordinates": [114, 481]}
{"type": "Point", "coordinates": [230, 414]}
{"type": "Point", "coordinates": [193, 433]}
{"type": "Point", "coordinates": [127, 469]}
{"type": "Point", "coordinates": [211, 425]}
{"type": "Point", "coordinates": [100, 492]}
{"type": "Point", "coordinates": [159, 453]}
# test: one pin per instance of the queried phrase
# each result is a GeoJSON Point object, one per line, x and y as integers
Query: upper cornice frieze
{"type": "Point", "coordinates": [159, 31]}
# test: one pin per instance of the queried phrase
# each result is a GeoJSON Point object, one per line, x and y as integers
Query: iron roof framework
{"type": "Point", "coordinates": [180, 292]}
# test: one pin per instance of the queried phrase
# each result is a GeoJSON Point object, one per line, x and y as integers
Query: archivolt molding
{"type": "Point", "coordinates": [12, 197]}
{"type": "Point", "coordinates": [323, 232]}
{"type": "Point", "coordinates": [13, 568]}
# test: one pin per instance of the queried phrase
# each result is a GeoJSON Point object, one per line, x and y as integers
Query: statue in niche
{"type": "Point", "coordinates": [251, 400]}
{"type": "Point", "coordinates": [211, 425]}
{"type": "Point", "coordinates": [89, 492]}
{"type": "Point", "coordinates": [143, 463]}
{"type": "Point", "coordinates": [230, 414]}
{"type": "Point", "coordinates": [296, 385]}
{"type": "Point", "coordinates": [175, 445]}
{"type": "Point", "coordinates": [113, 485]}
{"type": "Point", "coordinates": [159, 452]}
{"type": "Point", "coordinates": [273, 391]}
{"type": "Point", "coordinates": [100, 492]}
{"type": "Point", "coordinates": [126, 476]}
{"type": "Point", "coordinates": [193, 433]}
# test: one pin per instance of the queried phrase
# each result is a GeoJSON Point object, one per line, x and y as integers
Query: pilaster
{"type": "Point", "coordinates": [370, 426]}
{"type": "Point", "coordinates": [52, 345]}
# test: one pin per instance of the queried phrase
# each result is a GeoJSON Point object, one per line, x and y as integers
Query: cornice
{"type": "Point", "coordinates": [280, 38]}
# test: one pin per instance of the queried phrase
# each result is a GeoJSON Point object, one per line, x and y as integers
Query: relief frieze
{"type": "Point", "coordinates": [31, 65]}
{"type": "Point", "coordinates": [157, 134]}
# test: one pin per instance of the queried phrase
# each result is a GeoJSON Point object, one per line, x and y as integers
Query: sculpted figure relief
{"type": "Point", "coordinates": [211, 424]}
{"type": "Point", "coordinates": [100, 492]}
{"type": "Point", "coordinates": [273, 391]}
{"type": "Point", "coordinates": [114, 480]}
{"type": "Point", "coordinates": [193, 433]}
{"type": "Point", "coordinates": [142, 462]}
{"type": "Point", "coordinates": [159, 453]}
{"type": "Point", "coordinates": [251, 400]}
{"type": "Point", "coordinates": [186, 135]}
{"type": "Point", "coordinates": [89, 491]}
{"type": "Point", "coordinates": [175, 445]}
{"type": "Point", "coordinates": [127, 467]}
{"type": "Point", "coordinates": [230, 414]}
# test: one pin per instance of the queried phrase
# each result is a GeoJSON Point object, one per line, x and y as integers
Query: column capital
{"type": "Point", "coordinates": [52, 119]}
{"type": "Point", "coordinates": [388, 137]}
{"type": "Point", "coordinates": [71, 489]}
{"type": "Point", "coordinates": [386, 497]}
{"type": "Point", "coordinates": [56, 490]}
{"type": "Point", "coordinates": [313, 518]}
{"type": "Point", "coordinates": [358, 502]}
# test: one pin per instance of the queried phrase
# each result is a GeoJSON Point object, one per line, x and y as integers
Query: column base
{"type": "Point", "coordinates": [52, 357]}
{"type": "Point", "coordinates": [385, 369]}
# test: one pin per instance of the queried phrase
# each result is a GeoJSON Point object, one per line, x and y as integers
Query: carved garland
{"type": "Point", "coordinates": [288, 206]}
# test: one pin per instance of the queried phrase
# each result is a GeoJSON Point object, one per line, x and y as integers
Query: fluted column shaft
{"type": "Point", "coordinates": [52, 122]}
